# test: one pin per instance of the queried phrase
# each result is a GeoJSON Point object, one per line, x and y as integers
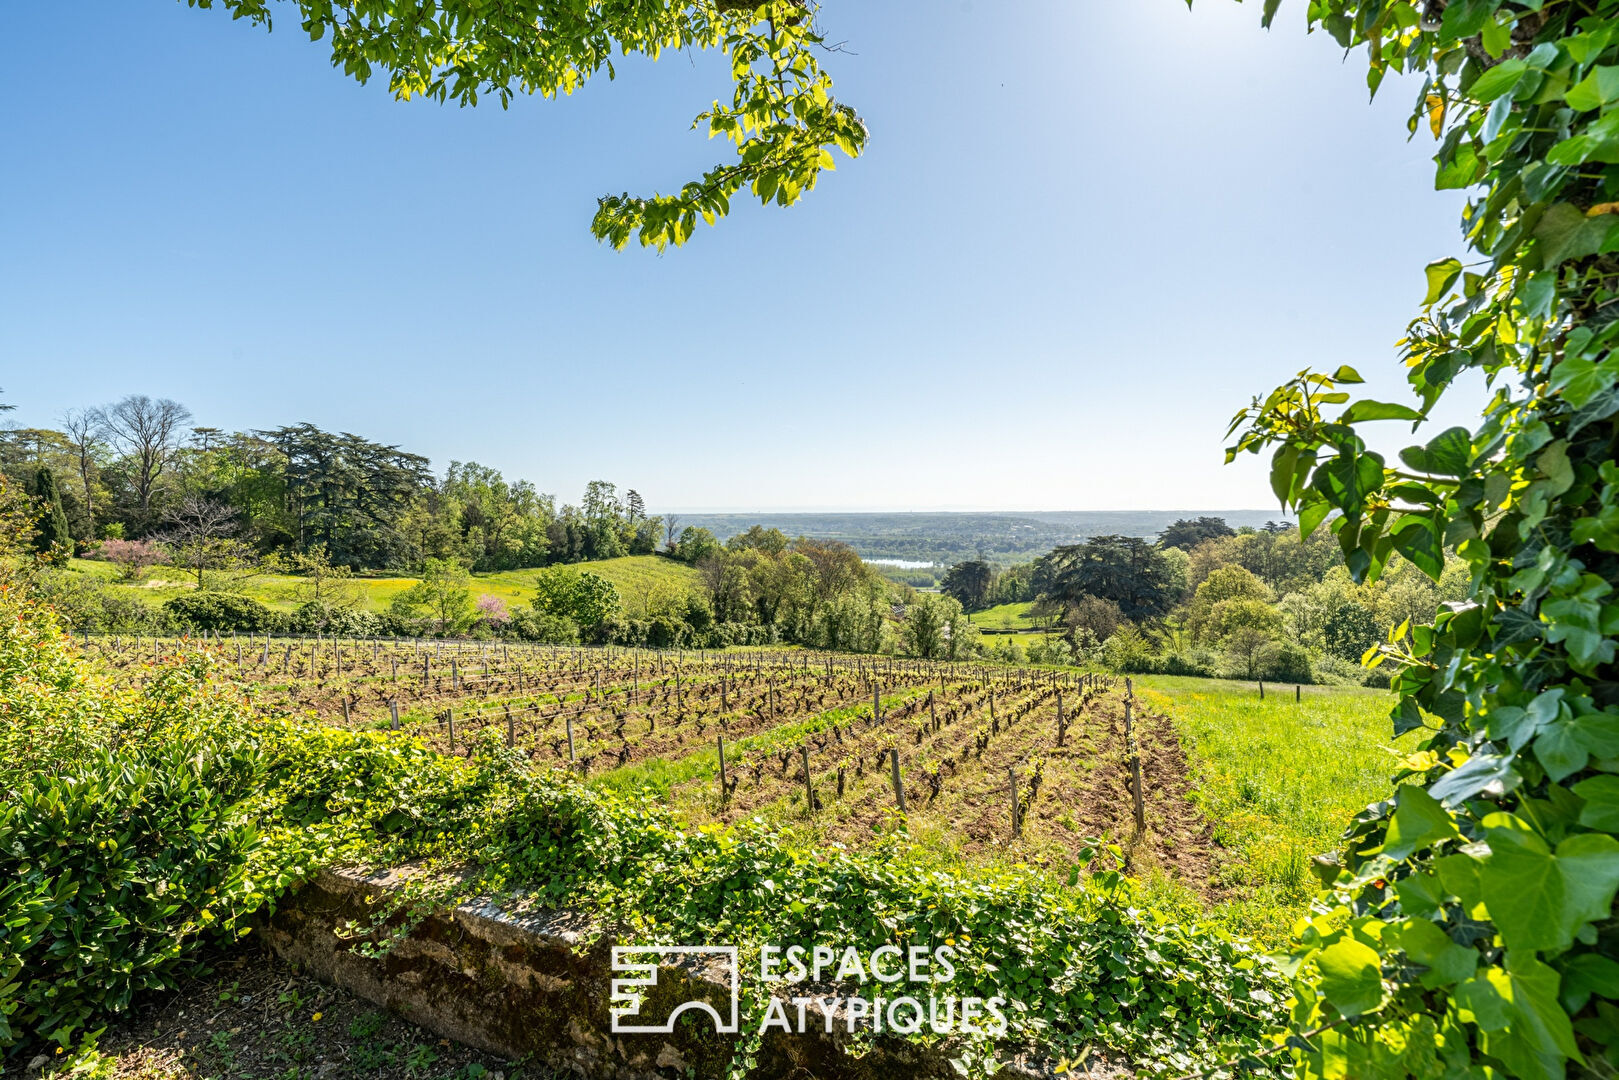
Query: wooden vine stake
{"type": "Point", "coordinates": [393, 715]}
{"type": "Point", "coordinates": [1062, 721]}
{"type": "Point", "coordinates": [1011, 779]}
{"type": "Point", "coordinates": [572, 759]}
{"type": "Point", "coordinates": [899, 789]}
{"type": "Point", "coordinates": [724, 788]}
{"type": "Point", "coordinates": [511, 727]}
{"type": "Point", "coordinates": [809, 788]}
{"type": "Point", "coordinates": [1135, 768]}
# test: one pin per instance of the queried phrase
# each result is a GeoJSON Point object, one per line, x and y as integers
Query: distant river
{"type": "Point", "coordinates": [904, 564]}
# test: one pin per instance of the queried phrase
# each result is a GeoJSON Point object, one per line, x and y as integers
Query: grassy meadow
{"type": "Point", "coordinates": [1278, 780]}
{"type": "Point", "coordinates": [642, 581]}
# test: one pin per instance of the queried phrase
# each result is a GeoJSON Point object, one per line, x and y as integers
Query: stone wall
{"type": "Point", "coordinates": [516, 984]}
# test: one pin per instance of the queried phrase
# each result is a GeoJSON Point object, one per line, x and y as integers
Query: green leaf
{"type": "Point", "coordinates": [1597, 89]}
{"type": "Point", "coordinates": [1420, 893]}
{"type": "Point", "coordinates": [1446, 961]}
{"type": "Point", "coordinates": [1448, 454]}
{"type": "Point", "coordinates": [1499, 80]}
{"type": "Point", "coordinates": [1351, 977]}
{"type": "Point", "coordinates": [1601, 795]}
{"type": "Point", "coordinates": [1579, 380]}
{"type": "Point", "coordinates": [1419, 822]}
{"type": "Point", "coordinates": [1367, 409]}
{"type": "Point", "coordinates": [1417, 538]}
{"type": "Point", "coordinates": [1585, 974]}
{"type": "Point", "coordinates": [1346, 374]}
{"type": "Point", "coordinates": [1540, 899]}
{"type": "Point", "coordinates": [1441, 276]}
{"type": "Point", "coordinates": [1564, 233]}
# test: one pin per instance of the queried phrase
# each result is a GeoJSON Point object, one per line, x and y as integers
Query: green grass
{"type": "Point", "coordinates": [644, 582]}
{"type": "Point", "coordinates": [1003, 616]}
{"type": "Point", "coordinates": [1279, 781]}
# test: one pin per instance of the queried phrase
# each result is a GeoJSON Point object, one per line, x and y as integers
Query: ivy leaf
{"type": "Point", "coordinates": [1447, 454]}
{"type": "Point", "coordinates": [1599, 88]}
{"type": "Point", "coordinates": [1541, 1035]}
{"type": "Point", "coordinates": [1564, 233]}
{"type": "Point", "coordinates": [1446, 961]}
{"type": "Point", "coordinates": [1579, 623]}
{"type": "Point", "coordinates": [1579, 380]}
{"type": "Point", "coordinates": [1351, 977]}
{"type": "Point", "coordinates": [1419, 821]}
{"type": "Point", "coordinates": [1537, 898]}
{"type": "Point", "coordinates": [1485, 995]}
{"type": "Point", "coordinates": [1481, 772]}
{"type": "Point", "coordinates": [1559, 750]}
{"type": "Point", "coordinates": [1585, 974]}
{"type": "Point", "coordinates": [1601, 810]}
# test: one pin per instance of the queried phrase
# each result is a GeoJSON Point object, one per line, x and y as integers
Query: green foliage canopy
{"type": "Point", "coordinates": [782, 118]}
{"type": "Point", "coordinates": [1470, 925]}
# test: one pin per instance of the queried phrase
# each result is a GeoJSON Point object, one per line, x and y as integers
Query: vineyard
{"type": "Point", "coordinates": [987, 761]}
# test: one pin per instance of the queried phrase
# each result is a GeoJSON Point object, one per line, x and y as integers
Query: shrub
{"type": "Point", "coordinates": [86, 605]}
{"type": "Point", "coordinates": [1189, 661]}
{"type": "Point", "coordinates": [1127, 651]}
{"type": "Point", "coordinates": [137, 821]}
{"type": "Point", "coordinates": [129, 556]}
{"type": "Point", "coordinates": [545, 629]}
{"type": "Point", "coordinates": [325, 617]}
{"type": "Point", "coordinates": [1287, 662]}
{"type": "Point", "coordinates": [220, 612]}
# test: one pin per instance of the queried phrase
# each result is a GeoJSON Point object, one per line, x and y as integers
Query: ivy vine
{"type": "Point", "coordinates": [1468, 929]}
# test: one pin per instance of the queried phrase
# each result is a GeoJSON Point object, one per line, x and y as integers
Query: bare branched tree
{"type": "Point", "coordinates": [201, 537]}
{"type": "Point", "coordinates": [147, 431]}
{"type": "Point", "coordinates": [84, 429]}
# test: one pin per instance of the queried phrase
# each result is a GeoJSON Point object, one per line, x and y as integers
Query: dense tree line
{"type": "Point", "coordinates": [140, 470]}
{"type": "Point", "coordinates": [1207, 599]}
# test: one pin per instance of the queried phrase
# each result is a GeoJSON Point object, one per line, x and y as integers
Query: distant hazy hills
{"type": "Point", "coordinates": [951, 537]}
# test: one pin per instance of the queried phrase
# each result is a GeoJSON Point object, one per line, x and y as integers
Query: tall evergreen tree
{"type": "Point", "coordinates": [53, 532]}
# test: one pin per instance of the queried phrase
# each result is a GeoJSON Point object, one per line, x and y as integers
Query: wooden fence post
{"type": "Point", "coordinates": [1011, 779]}
{"type": "Point", "coordinates": [809, 789]}
{"type": "Point", "coordinates": [724, 788]}
{"type": "Point", "coordinates": [1135, 770]}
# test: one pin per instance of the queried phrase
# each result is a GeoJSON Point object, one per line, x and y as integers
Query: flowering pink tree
{"type": "Point", "coordinates": [130, 556]}
{"type": "Point", "coordinates": [492, 609]}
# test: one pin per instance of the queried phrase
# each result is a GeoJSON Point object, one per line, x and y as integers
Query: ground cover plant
{"type": "Point", "coordinates": [1278, 778]}
{"type": "Point", "coordinates": [267, 798]}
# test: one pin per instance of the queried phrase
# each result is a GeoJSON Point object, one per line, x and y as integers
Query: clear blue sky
{"type": "Point", "coordinates": [1084, 234]}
